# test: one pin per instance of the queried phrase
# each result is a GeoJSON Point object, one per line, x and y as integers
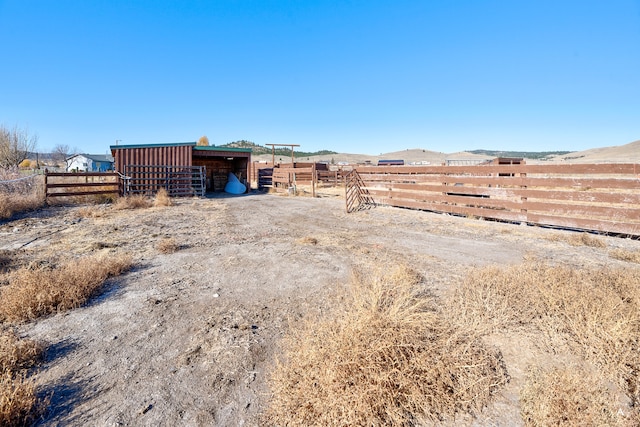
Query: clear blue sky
{"type": "Point", "coordinates": [353, 76]}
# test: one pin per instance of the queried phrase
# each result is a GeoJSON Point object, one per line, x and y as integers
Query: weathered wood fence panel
{"type": "Point", "coordinates": [597, 197]}
{"type": "Point", "coordinates": [262, 172]}
{"type": "Point", "coordinates": [70, 184]}
{"type": "Point", "coordinates": [284, 178]}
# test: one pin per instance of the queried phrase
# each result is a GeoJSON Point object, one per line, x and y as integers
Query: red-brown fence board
{"type": "Point", "coordinates": [599, 197]}
{"type": "Point", "coordinates": [69, 184]}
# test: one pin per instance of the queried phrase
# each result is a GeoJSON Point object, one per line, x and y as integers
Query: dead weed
{"type": "Point", "coordinates": [625, 255]}
{"type": "Point", "coordinates": [18, 354]}
{"type": "Point", "coordinates": [567, 397]}
{"type": "Point", "coordinates": [34, 292]}
{"type": "Point", "coordinates": [384, 356]}
{"type": "Point", "coordinates": [595, 312]}
{"type": "Point", "coordinates": [162, 198]}
{"type": "Point", "coordinates": [11, 204]}
{"type": "Point", "coordinates": [586, 239]}
{"type": "Point", "coordinates": [138, 201]}
{"type": "Point", "coordinates": [19, 405]}
{"type": "Point", "coordinates": [167, 245]}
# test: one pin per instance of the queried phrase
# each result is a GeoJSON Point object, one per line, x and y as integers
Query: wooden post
{"type": "Point", "coordinates": [313, 180]}
{"type": "Point", "coordinates": [46, 192]}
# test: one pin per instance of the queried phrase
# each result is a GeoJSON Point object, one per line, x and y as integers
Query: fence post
{"type": "Point", "coordinates": [313, 180]}
{"type": "Point", "coordinates": [46, 187]}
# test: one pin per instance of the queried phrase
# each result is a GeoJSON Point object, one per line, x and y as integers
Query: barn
{"type": "Point", "coordinates": [182, 168]}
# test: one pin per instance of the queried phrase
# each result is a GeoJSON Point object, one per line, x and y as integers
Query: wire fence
{"type": "Point", "coordinates": [13, 182]}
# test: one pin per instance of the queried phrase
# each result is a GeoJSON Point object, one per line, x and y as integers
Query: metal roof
{"type": "Point", "coordinates": [179, 144]}
{"type": "Point", "coordinates": [94, 157]}
{"type": "Point", "coordinates": [214, 148]}
{"type": "Point", "coordinates": [171, 144]}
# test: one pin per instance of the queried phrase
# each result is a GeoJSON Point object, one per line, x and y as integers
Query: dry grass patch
{"type": "Point", "coordinates": [11, 204]}
{"type": "Point", "coordinates": [19, 405]}
{"type": "Point", "coordinates": [308, 240]}
{"type": "Point", "coordinates": [90, 212]}
{"type": "Point", "coordinates": [37, 291]}
{"type": "Point", "coordinates": [18, 194]}
{"type": "Point", "coordinates": [595, 313]}
{"type": "Point", "coordinates": [625, 255]}
{"type": "Point", "coordinates": [162, 198]}
{"type": "Point", "coordinates": [384, 356]}
{"type": "Point", "coordinates": [18, 354]}
{"type": "Point", "coordinates": [138, 201]}
{"type": "Point", "coordinates": [586, 239]}
{"type": "Point", "coordinates": [167, 245]}
{"type": "Point", "coordinates": [568, 397]}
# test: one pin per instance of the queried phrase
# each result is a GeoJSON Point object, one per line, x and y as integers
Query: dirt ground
{"type": "Point", "coordinates": [187, 338]}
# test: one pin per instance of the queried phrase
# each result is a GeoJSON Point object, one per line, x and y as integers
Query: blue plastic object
{"type": "Point", "coordinates": [234, 186]}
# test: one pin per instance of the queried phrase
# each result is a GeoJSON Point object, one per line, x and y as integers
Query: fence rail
{"type": "Point", "coordinates": [596, 197]}
{"type": "Point", "coordinates": [71, 184]}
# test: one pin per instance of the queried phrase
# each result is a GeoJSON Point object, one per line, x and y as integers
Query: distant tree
{"type": "Point", "coordinates": [60, 153]}
{"type": "Point", "coordinates": [203, 141]}
{"type": "Point", "coordinates": [15, 145]}
{"type": "Point", "coordinates": [25, 164]}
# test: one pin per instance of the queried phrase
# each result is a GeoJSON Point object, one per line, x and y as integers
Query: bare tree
{"type": "Point", "coordinates": [60, 153]}
{"type": "Point", "coordinates": [15, 145]}
{"type": "Point", "coordinates": [203, 141]}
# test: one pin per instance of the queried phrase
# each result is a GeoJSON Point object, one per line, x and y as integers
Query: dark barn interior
{"type": "Point", "coordinates": [219, 162]}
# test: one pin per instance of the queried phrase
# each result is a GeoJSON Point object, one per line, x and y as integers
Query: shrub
{"type": "Point", "coordinates": [383, 356]}
{"type": "Point", "coordinates": [34, 292]}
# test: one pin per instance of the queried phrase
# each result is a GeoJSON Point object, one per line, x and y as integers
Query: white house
{"type": "Point", "coordinates": [89, 163]}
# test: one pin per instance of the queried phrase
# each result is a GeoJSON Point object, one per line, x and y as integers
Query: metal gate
{"type": "Point", "coordinates": [177, 180]}
{"type": "Point", "coordinates": [357, 196]}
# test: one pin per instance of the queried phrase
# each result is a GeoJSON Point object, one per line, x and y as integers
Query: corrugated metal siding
{"type": "Point", "coordinates": [169, 155]}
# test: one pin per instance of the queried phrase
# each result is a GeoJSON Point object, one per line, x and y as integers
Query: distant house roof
{"type": "Point", "coordinates": [390, 162]}
{"type": "Point", "coordinates": [94, 157]}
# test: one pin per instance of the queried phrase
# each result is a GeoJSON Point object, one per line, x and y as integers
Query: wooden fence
{"type": "Point", "coordinates": [595, 197]}
{"type": "Point", "coordinates": [286, 176]}
{"type": "Point", "coordinates": [70, 184]}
